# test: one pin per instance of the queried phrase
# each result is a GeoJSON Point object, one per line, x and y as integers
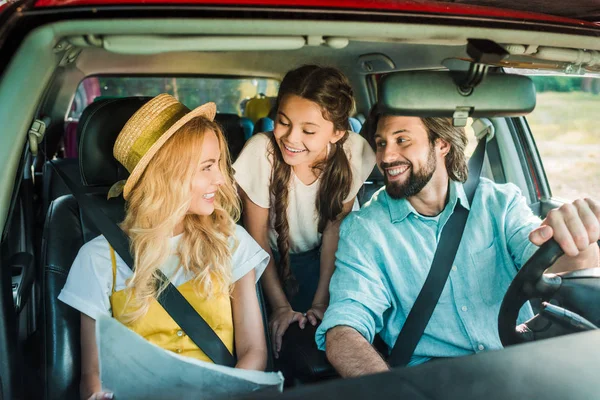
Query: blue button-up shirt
{"type": "Point", "coordinates": [385, 253]}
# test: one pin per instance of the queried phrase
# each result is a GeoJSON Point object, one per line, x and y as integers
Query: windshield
{"type": "Point", "coordinates": [566, 131]}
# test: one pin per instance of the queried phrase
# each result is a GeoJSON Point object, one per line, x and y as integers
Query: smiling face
{"type": "Point", "coordinates": [302, 133]}
{"type": "Point", "coordinates": [405, 155]}
{"type": "Point", "coordinates": [207, 177]}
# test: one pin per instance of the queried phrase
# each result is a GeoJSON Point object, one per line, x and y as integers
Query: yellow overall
{"type": "Point", "coordinates": [159, 328]}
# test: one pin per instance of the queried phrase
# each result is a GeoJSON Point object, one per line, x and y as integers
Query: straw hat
{"type": "Point", "coordinates": [147, 131]}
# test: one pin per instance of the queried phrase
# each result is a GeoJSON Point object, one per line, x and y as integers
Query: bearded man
{"type": "Point", "coordinates": [386, 249]}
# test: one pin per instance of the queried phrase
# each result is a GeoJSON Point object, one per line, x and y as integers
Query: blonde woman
{"type": "Point", "coordinates": [180, 218]}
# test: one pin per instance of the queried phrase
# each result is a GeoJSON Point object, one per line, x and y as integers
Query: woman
{"type": "Point", "coordinates": [297, 183]}
{"type": "Point", "coordinates": [180, 218]}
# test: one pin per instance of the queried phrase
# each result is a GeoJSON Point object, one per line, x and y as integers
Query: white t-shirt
{"type": "Point", "coordinates": [253, 173]}
{"type": "Point", "coordinates": [89, 284]}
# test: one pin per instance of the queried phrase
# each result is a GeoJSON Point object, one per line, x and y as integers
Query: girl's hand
{"type": "Point", "coordinates": [281, 318]}
{"type": "Point", "coordinates": [102, 396]}
{"type": "Point", "coordinates": [315, 314]}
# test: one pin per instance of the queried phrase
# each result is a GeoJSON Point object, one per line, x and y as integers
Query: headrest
{"type": "Point", "coordinates": [355, 124]}
{"type": "Point", "coordinates": [233, 131]}
{"type": "Point", "coordinates": [98, 128]}
{"type": "Point", "coordinates": [258, 107]}
{"type": "Point", "coordinates": [247, 126]}
{"type": "Point", "coordinates": [265, 124]}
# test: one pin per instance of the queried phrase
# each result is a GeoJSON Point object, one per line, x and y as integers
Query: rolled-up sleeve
{"type": "Point", "coordinates": [519, 223]}
{"type": "Point", "coordinates": [358, 295]}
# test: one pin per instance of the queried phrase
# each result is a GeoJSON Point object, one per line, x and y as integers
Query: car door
{"type": "Point", "coordinates": [17, 277]}
{"type": "Point", "coordinates": [17, 262]}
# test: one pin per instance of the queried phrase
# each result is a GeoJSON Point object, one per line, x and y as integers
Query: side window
{"type": "Point", "coordinates": [567, 134]}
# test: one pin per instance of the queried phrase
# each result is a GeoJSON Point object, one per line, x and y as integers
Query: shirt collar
{"type": "Point", "coordinates": [400, 209]}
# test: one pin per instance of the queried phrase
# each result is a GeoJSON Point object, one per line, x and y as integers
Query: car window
{"type": "Point", "coordinates": [565, 127]}
{"type": "Point", "coordinates": [230, 94]}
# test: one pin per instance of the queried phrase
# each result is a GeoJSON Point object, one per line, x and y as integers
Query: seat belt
{"type": "Point", "coordinates": [171, 299]}
{"type": "Point", "coordinates": [430, 293]}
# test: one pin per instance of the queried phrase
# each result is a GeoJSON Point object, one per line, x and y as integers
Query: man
{"type": "Point", "coordinates": [386, 249]}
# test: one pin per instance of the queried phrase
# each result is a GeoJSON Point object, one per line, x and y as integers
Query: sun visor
{"type": "Point", "coordinates": [453, 94]}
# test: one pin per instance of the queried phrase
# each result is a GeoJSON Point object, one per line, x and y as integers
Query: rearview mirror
{"type": "Point", "coordinates": [438, 94]}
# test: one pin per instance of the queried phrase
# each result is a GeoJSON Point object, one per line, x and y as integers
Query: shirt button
{"type": "Point", "coordinates": [179, 350]}
{"type": "Point", "coordinates": [415, 216]}
{"type": "Point", "coordinates": [180, 333]}
{"type": "Point", "coordinates": [465, 308]}
{"type": "Point", "coordinates": [481, 347]}
{"type": "Point", "coordinates": [454, 268]}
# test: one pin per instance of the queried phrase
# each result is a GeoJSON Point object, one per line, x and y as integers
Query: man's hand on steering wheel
{"type": "Point", "coordinates": [575, 227]}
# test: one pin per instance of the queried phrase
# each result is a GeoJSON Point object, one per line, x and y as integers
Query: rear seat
{"type": "Point", "coordinates": [247, 126]}
{"type": "Point", "coordinates": [265, 124]}
{"type": "Point", "coordinates": [233, 129]}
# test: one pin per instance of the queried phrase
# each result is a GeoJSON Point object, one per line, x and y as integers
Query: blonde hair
{"type": "Point", "coordinates": [161, 199]}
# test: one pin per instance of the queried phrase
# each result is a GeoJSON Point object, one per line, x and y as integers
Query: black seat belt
{"type": "Point", "coordinates": [182, 312]}
{"type": "Point", "coordinates": [430, 293]}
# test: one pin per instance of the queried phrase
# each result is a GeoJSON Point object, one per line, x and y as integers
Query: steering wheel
{"type": "Point", "coordinates": [530, 282]}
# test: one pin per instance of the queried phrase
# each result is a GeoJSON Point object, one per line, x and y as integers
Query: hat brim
{"type": "Point", "coordinates": [208, 110]}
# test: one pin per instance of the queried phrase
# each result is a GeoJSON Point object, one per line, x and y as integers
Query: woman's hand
{"type": "Point", "coordinates": [315, 314]}
{"type": "Point", "coordinates": [102, 396]}
{"type": "Point", "coordinates": [281, 318]}
{"type": "Point", "coordinates": [250, 342]}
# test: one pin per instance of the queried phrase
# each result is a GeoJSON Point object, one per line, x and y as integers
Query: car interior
{"type": "Point", "coordinates": [411, 66]}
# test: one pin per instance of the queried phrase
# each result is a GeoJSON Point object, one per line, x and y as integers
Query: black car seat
{"type": "Point", "coordinates": [53, 187]}
{"type": "Point", "coordinates": [65, 231]}
{"type": "Point", "coordinates": [233, 131]}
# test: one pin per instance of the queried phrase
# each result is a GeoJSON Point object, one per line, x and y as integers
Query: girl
{"type": "Point", "coordinates": [180, 217]}
{"type": "Point", "coordinates": [296, 184]}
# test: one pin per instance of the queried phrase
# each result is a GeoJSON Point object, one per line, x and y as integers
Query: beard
{"type": "Point", "coordinates": [415, 182]}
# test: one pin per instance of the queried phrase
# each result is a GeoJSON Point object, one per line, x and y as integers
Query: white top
{"type": "Point", "coordinates": [253, 173]}
{"type": "Point", "coordinates": [89, 284]}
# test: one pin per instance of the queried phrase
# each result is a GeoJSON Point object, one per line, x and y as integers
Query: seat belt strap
{"type": "Point", "coordinates": [171, 299]}
{"type": "Point", "coordinates": [426, 301]}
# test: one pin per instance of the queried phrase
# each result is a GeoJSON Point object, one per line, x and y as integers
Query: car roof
{"type": "Point", "coordinates": [578, 12]}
